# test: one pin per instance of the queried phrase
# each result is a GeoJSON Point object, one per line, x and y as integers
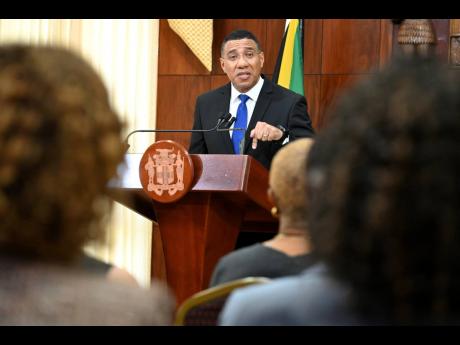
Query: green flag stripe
{"type": "Point", "coordinates": [296, 83]}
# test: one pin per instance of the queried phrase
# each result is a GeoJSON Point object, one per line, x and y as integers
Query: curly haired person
{"type": "Point", "coordinates": [60, 143]}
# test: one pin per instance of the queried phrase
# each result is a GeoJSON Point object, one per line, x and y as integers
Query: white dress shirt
{"type": "Point", "coordinates": [250, 103]}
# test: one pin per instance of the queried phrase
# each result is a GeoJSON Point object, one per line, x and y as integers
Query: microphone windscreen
{"type": "Point", "coordinates": [230, 123]}
{"type": "Point", "coordinates": [221, 119]}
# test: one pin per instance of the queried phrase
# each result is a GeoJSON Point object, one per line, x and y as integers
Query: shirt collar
{"type": "Point", "coordinates": [252, 93]}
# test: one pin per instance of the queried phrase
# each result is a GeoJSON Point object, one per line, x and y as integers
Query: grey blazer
{"type": "Point", "coordinates": [310, 299]}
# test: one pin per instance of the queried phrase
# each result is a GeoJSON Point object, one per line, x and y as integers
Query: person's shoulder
{"type": "Point", "coordinates": [292, 300]}
{"type": "Point", "coordinates": [81, 298]}
{"type": "Point", "coordinates": [235, 264]}
{"type": "Point", "coordinates": [120, 275]}
{"type": "Point", "coordinates": [243, 254]}
{"type": "Point", "coordinates": [266, 304]}
{"type": "Point", "coordinates": [93, 264]}
{"type": "Point", "coordinates": [115, 303]}
{"type": "Point", "coordinates": [284, 286]}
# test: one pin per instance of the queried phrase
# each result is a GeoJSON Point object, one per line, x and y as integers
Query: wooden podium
{"type": "Point", "coordinates": [228, 195]}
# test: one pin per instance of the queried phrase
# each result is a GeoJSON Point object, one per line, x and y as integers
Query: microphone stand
{"type": "Point", "coordinates": [226, 120]}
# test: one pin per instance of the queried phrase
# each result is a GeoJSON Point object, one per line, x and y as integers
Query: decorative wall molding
{"type": "Point", "coordinates": [454, 43]}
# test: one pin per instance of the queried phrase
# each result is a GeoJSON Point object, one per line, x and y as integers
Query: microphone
{"type": "Point", "coordinates": [223, 119]}
{"type": "Point", "coordinates": [229, 124]}
{"type": "Point", "coordinates": [223, 125]}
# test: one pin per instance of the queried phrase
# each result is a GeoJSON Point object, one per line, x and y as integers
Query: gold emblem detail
{"type": "Point", "coordinates": [166, 171]}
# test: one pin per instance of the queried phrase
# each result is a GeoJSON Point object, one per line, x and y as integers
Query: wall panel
{"type": "Point", "coordinates": [176, 100]}
{"type": "Point", "coordinates": [274, 35]}
{"type": "Point", "coordinates": [386, 41]}
{"type": "Point", "coordinates": [332, 88]}
{"type": "Point", "coordinates": [218, 81]}
{"type": "Point", "coordinates": [350, 45]}
{"type": "Point", "coordinates": [441, 27]}
{"type": "Point", "coordinates": [313, 37]}
{"type": "Point", "coordinates": [312, 85]}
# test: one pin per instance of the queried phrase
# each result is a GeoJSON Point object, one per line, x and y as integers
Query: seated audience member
{"type": "Point", "coordinates": [288, 253]}
{"type": "Point", "coordinates": [384, 213]}
{"type": "Point", "coordinates": [60, 143]}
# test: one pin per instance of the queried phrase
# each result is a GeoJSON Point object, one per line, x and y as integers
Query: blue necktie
{"type": "Point", "coordinates": [241, 122]}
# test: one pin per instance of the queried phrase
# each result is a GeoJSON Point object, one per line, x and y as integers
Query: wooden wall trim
{"type": "Point", "coordinates": [454, 43]}
{"type": "Point", "coordinates": [386, 41]}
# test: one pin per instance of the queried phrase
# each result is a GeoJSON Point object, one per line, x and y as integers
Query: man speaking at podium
{"type": "Point", "coordinates": [272, 115]}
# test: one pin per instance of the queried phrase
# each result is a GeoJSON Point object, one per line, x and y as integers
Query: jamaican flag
{"type": "Point", "coordinates": [289, 65]}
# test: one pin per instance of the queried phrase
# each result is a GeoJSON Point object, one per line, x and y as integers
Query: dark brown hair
{"type": "Point", "coordinates": [385, 210]}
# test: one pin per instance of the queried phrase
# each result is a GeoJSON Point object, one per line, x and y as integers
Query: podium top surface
{"type": "Point", "coordinates": [238, 176]}
{"type": "Point", "coordinates": [212, 172]}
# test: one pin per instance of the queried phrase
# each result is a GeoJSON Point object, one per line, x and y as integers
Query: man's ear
{"type": "Point", "coordinates": [262, 59]}
{"type": "Point", "coordinates": [222, 64]}
{"type": "Point", "coordinates": [271, 196]}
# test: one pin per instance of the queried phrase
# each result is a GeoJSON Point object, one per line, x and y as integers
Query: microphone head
{"type": "Point", "coordinates": [230, 122]}
{"type": "Point", "coordinates": [223, 120]}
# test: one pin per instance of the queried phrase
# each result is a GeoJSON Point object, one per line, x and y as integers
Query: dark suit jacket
{"type": "Point", "coordinates": [275, 106]}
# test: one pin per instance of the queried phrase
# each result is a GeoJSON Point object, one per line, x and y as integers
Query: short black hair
{"type": "Point", "coordinates": [239, 35]}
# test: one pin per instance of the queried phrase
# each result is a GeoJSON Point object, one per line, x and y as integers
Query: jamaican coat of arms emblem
{"type": "Point", "coordinates": [166, 171]}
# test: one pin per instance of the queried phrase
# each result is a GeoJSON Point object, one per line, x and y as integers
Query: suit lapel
{"type": "Point", "coordinates": [263, 101]}
{"type": "Point", "coordinates": [225, 108]}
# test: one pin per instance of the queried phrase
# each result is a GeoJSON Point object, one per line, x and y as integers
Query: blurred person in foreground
{"type": "Point", "coordinates": [384, 215]}
{"type": "Point", "coordinates": [289, 252]}
{"type": "Point", "coordinates": [59, 146]}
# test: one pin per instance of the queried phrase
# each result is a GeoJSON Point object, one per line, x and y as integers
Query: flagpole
{"type": "Point", "coordinates": [301, 25]}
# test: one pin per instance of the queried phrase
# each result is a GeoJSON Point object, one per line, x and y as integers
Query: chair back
{"type": "Point", "coordinates": [204, 307]}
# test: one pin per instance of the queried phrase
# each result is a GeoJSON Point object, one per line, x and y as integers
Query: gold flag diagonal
{"type": "Point", "coordinates": [197, 34]}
